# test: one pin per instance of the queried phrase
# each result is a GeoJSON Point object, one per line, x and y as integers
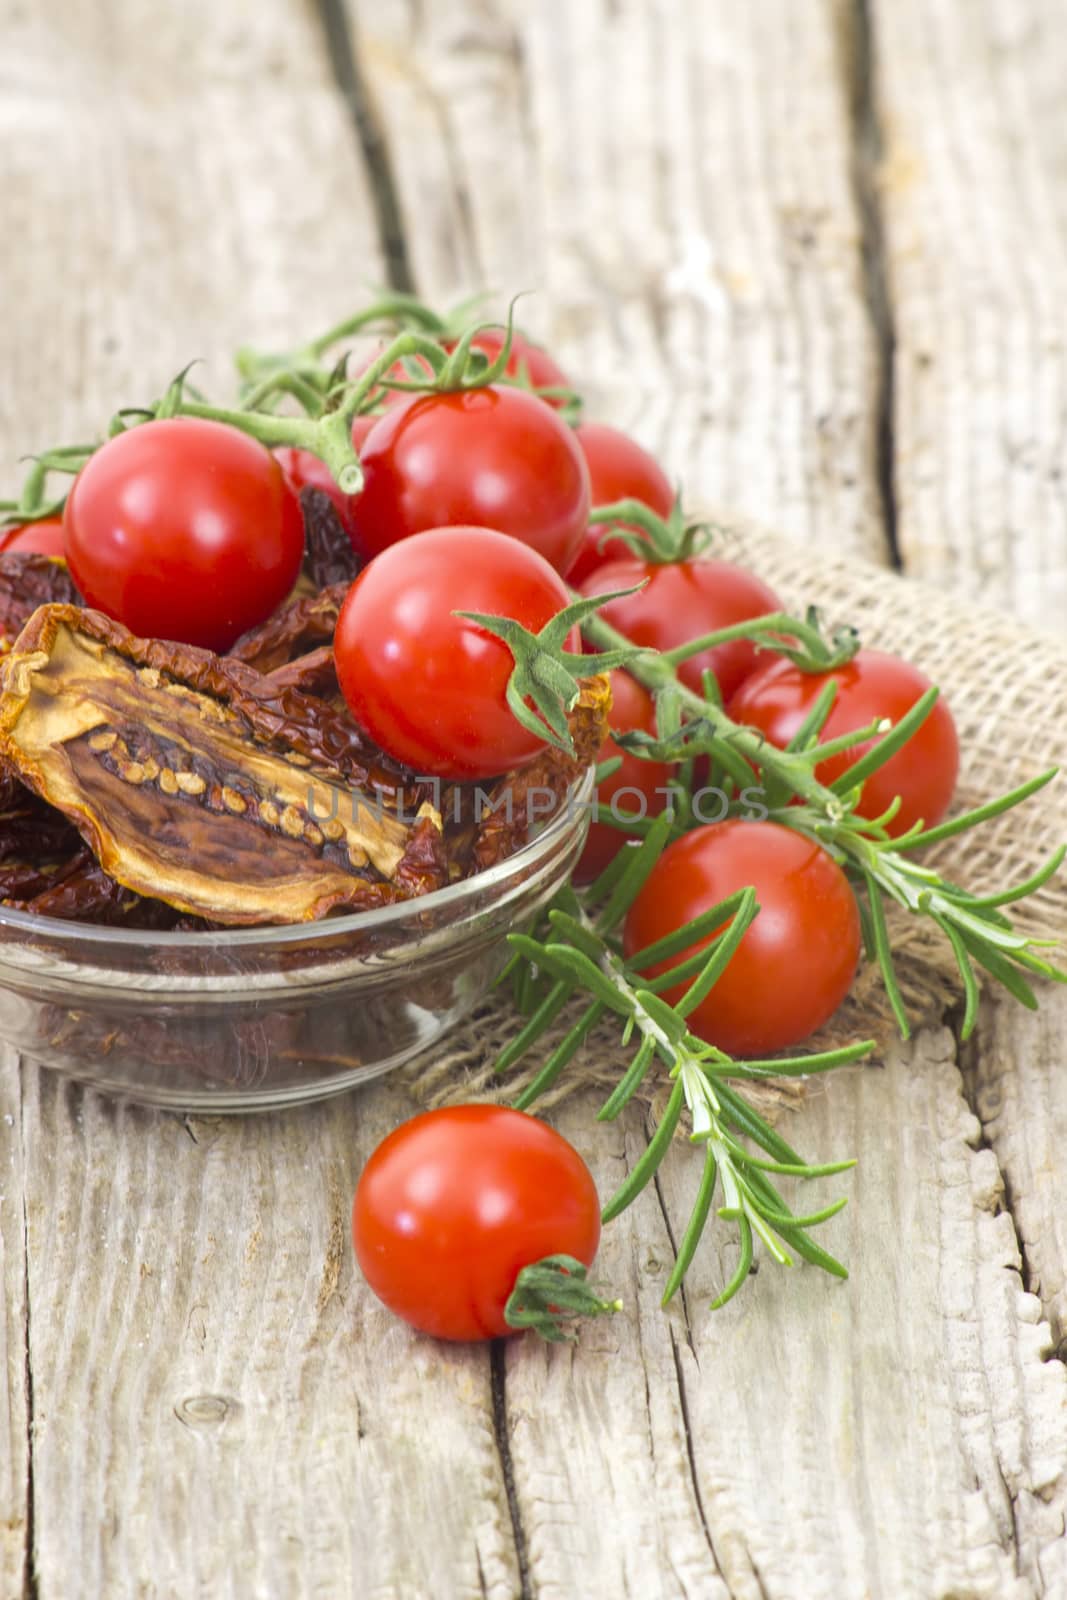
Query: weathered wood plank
{"type": "Point", "coordinates": [14, 1397]}
{"type": "Point", "coordinates": [221, 1406]}
{"type": "Point", "coordinates": [176, 180]}
{"type": "Point", "coordinates": [975, 150]}
{"type": "Point", "coordinates": [901, 1435]}
{"type": "Point", "coordinates": [675, 182]}
{"type": "Point", "coordinates": [969, 99]}
{"type": "Point", "coordinates": [1020, 1084]}
{"type": "Point", "coordinates": [217, 1412]}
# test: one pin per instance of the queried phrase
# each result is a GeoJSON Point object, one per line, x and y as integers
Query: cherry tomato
{"type": "Point", "coordinates": [493, 457]}
{"type": "Point", "coordinates": [778, 696]}
{"type": "Point", "coordinates": [681, 601]}
{"type": "Point", "coordinates": [453, 1204]}
{"type": "Point", "coordinates": [427, 686]}
{"type": "Point", "coordinates": [43, 538]}
{"type": "Point", "coordinates": [619, 469]}
{"type": "Point", "coordinates": [635, 786]}
{"type": "Point", "coordinates": [184, 529]}
{"type": "Point", "coordinates": [794, 965]}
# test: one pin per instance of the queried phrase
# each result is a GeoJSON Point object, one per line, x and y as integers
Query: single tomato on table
{"type": "Point", "coordinates": [794, 965]}
{"type": "Point", "coordinates": [680, 601]}
{"type": "Point", "coordinates": [43, 538]}
{"type": "Point", "coordinates": [428, 686]}
{"type": "Point", "coordinates": [494, 457]}
{"type": "Point", "coordinates": [455, 1203]}
{"type": "Point", "coordinates": [778, 696]}
{"type": "Point", "coordinates": [184, 529]}
{"type": "Point", "coordinates": [619, 469]}
{"type": "Point", "coordinates": [638, 784]}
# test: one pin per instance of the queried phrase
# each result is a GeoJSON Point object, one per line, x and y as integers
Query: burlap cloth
{"type": "Point", "coordinates": [1007, 688]}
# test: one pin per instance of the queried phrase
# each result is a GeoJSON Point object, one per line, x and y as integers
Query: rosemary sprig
{"type": "Point", "coordinates": [881, 868]}
{"type": "Point", "coordinates": [578, 952]}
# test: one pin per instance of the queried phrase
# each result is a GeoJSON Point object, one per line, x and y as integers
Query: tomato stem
{"type": "Point", "coordinates": [551, 1295]}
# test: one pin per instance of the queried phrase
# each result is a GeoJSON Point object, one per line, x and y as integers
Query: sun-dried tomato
{"type": "Point", "coordinates": [29, 580]}
{"type": "Point", "coordinates": [329, 557]}
{"type": "Point", "coordinates": [300, 625]}
{"type": "Point", "coordinates": [195, 782]}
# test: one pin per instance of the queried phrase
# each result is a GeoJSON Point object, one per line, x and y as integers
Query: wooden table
{"type": "Point", "coordinates": [815, 254]}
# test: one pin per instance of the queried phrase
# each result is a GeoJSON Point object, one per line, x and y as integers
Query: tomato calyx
{"type": "Point", "coordinates": [550, 1295]}
{"type": "Point", "coordinates": [657, 540]}
{"type": "Point", "coordinates": [546, 681]}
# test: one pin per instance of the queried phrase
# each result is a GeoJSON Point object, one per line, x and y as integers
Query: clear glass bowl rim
{"type": "Point", "coordinates": [280, 935]}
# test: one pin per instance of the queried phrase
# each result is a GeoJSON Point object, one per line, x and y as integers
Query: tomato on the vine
{"type": "Point", "coordinates": [453, 1204]}
{"type": "Point", "coordinates": [637, 786]}
{"type": "Point", "coordinates": [184, 529]}
{"type": "Point", "coordinates": [795, 963]}
{"type": "Point", "coordinates": [874, 684]}
{"type": "Point", "coordinates": [428, 686]}
{"type": "Point", "coordinates": [682, 600]}
{"type": "Point", "coordinates": [527, 363]}
{"type": "Point", "coordinates": [619, 469]}
{"type": "Point", "coordinates": [494, 457]}
{"type": "Point", "coordinates": [43, 538]}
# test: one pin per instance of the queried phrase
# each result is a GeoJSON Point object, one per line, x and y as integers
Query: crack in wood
{"type": "Point", "coordinates": [867, 148]}
{"type": "Point", "coordinates": [690, 1453]}
{"type": "Point", "coordinates": [29, 1574]}
{"type": "Point", "coordinates": [346, 65]}
{"type": "Point", "coordinates": [498, 1376]}
{"type": "Point", "coordinates": [966, 1056]}
{"type": "Point", "coordinates": [683, 1297]}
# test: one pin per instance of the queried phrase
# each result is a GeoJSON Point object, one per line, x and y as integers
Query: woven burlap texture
{"type": "Point", "coordinates": [1007, 689]}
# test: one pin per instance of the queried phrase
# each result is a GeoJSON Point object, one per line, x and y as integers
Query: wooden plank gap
{"type": "Point", "coordinates": [867, 159]}
{"type": "Point", "coordinates": [29, 1574]}
{"type": "Point", "coordinates": [498, 1381]}
{"type": "Point", "coordinates": [343, 48]}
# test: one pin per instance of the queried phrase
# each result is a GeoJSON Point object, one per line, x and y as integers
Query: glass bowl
{"type": "Point", "coordinates": [248, 1019]}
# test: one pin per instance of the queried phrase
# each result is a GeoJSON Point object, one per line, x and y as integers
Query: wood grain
{"type": "Point", "coordinates": [674, 182]}
{"type": "Point", "coordinates": [221, 1406]}
{"type": "Point", "coordinates": [897, 1436]}
{"type": "Point", "coordinates": [975, 209]}
{"type": "Point", "coordinates": [178, 179]}
{"type": "Point", "coordinates": [14, 1397]}
{"type": "Point", "coordinates": [969, 99]}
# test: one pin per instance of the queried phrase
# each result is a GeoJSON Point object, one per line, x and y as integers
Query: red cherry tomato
{"type": "Point", "coordinates": [427, 686]}
{"type": "Point", "coordinates": [44, 538]}
{"type": "Point", "coordinates": [184, 529]}
{"type": "Point", "coordinates": [778, 696]}
{"type": "Point", "coordinates": [452, 1206]}
{"type": "Point", "coordinates": [637, 784]}
{"type": "Point", "coordinates": [681, 601]}
{"type": "Point", "coordinates": [493, 457]}
{"type": "Point", "coordinates": [619, 469]}
{"type": "Point", "coordinates": [794, 965]}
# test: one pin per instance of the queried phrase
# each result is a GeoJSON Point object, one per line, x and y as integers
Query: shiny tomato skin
{"type": "Point", "coordinates": [682, 600]}
{"type": "Point", "coordinates": [795, 963]}
{"type": "Point", "coordinates": [453, 1204]}
{"type": "Point", "coordinates": [43, 538]}
{"type": "Point", "coordinates": [619, 469]}
{"type": "Point", "coordinates": [426, 685]}
{"type": "Point", "coordinates": [184, 529]}
{"type": "Point", "coordinates": [778, 696]}
{"type": "Point", "coordinates": [495, 457]}
{"type": "Point", "coordinates": [632, 709]}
